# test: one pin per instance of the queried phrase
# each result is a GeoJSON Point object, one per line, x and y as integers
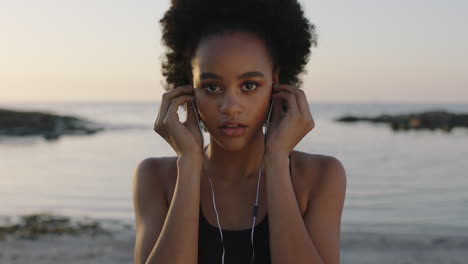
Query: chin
{"type": "Point", "coordinates": [232, 144]}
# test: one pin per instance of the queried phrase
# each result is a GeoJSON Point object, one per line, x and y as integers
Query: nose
{"type": "Point", "coordinates": [230, 103]}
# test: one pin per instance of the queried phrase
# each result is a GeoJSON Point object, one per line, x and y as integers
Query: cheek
{"type": "Point", "coordinates": [205, 106]}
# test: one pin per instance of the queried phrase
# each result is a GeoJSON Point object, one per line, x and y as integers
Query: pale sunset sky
{"type": "Point", "coordinates": [408, 51]}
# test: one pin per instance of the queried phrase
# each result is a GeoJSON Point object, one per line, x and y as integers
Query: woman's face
{"type": "Point", "coordinates": [232, 76]}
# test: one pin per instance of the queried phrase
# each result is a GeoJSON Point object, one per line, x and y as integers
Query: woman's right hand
{"type": "Point", "coordinates": [185, 138]}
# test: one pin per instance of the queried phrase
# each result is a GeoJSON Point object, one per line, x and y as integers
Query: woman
{"type": "Point", "coordinates": [226, 62]}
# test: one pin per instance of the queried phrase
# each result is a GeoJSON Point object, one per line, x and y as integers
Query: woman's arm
{"type": "Point", "coordinates": [324, 210]}
{"type": "Point", "coordinates": [314, 239]}
{"type": "Point", "coordinates": [171, 237]}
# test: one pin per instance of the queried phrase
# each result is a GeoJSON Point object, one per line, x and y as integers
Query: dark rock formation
{"type": "Point", "coordinates": [426, 120]}
{"type": "Point", "coordinates": [50, 126]}
{"type": "Point", "coordinates": [35, 225]}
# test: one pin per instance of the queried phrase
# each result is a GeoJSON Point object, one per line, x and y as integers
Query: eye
{"type": "Point", "coordinates": [209, 85]}
{"type": "Point", "coordinates": [251, 83]}
{"type": "Point", "coordinates": [246, 84]}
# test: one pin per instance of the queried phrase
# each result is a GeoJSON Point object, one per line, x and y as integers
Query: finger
{"type": "Point", "coordinates": [295, 91]}
{"type": "Point", "coordinates": [304, 107]}
{"type": "Point", "coordinates": [168, 96]}
{"type": "Point", "coordinates": [276, 112]}
{"type": "Point", "coordinates": [291, 102]}
{"type": "Point", "coordinates": [175, 103]}
{"type": "Point", "coordinates": [192, 120]}
{"type": "Point", "coordinates": [302, 102]}
{"type": "Point", "coordinates": [301, 98]}
{"type": "Point", "coordinates": [166, 101]}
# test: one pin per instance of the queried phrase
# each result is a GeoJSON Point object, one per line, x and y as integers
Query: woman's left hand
{"type": "Point", "coordinates": [288, 128]}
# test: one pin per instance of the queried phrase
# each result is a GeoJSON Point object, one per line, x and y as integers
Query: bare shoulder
{"type": "Point", "coordinates": [150, 204]}
{"type": "Point", "coordinates": [159, 170]}
{"type": "Point", "coordinates": [317, 170]}
{"type": "Point", "coordinates": [326, 180]}
{"type": "Point", "coordinates": [156, 172]}
{"type": "Point", "coordinates": [148, 168]}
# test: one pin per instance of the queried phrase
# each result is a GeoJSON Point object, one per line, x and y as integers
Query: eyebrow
{"type": "Point", "coordinates": [210, 75]}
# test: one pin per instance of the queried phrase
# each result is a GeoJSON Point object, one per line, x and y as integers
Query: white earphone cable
{"type": "Point", "coordinates": [255, 207]}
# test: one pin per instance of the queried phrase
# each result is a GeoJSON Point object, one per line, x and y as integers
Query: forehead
{"type": "Point", "coordinates": [233, 52]}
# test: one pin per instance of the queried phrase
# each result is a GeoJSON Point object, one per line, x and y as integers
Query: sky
{"type": "Point", "coordinates": [401, 51]}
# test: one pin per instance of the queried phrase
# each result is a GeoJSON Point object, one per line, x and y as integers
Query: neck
{"type": "Point", "coordinates": [235, 167]}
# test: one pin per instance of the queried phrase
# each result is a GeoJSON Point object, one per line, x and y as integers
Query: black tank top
{"type": "Point", "coordinates": [237, 244]}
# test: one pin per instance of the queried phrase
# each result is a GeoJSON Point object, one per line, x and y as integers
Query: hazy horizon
{"type": "Point", "coordinates": [368, 52]}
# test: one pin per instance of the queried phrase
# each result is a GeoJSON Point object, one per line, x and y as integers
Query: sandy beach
{"type": "Point", "coordinates": [114, 243]}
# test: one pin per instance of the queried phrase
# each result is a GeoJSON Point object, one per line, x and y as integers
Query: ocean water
{"type": "Point", "coordinates": [398, 182]}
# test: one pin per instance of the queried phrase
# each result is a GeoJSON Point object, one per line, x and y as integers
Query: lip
{"type": "Point", "coordinates": [226, 123]}
{"type": "Point", "coordinates": [233, 131]}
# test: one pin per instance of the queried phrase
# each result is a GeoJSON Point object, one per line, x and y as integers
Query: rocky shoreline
{"type": "Point", "coordinates": [428, 120]}
{"type": "Point", "coordinates": [52, 239]}
{"type": "Point", "coordinates": [33, 226]}
{"type": "Point", "coordinates": [48, 125]}
{"type": "Point", "coordinates": [47, 238]}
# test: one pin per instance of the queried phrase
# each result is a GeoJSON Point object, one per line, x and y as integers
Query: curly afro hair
{"type": "Point", "coordinates": [287, 33]}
